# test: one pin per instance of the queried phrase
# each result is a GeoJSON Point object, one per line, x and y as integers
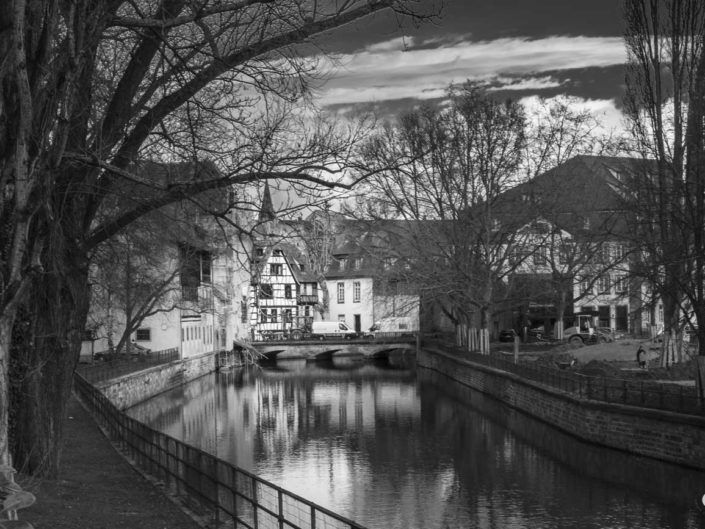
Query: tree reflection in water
{"type": "Point", "coordinates": [389, 447]}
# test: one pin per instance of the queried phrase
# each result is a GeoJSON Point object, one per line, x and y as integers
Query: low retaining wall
{"type": "Point", "coordinates": [669, 436]}
{"type": "Point", "coordinates": [128, 390]}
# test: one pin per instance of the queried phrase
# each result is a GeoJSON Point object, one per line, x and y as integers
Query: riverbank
{"type": "Point", "coordinates": [615, 359]}
{"type": "Point", "coordinates": [606, 414]}
{"type": "Point", "coordinates": [98, 488]}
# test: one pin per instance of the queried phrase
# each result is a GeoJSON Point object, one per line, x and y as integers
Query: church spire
{"type": "Point", "coordinates": [266, 212]}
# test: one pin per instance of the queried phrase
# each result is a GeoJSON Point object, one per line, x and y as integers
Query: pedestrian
{"type": "Point", "coordinates": [641, 357]}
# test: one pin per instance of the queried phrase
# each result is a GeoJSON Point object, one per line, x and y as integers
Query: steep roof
{"type": "Point", "coordinates": [266, 211]}
{"type": "Point", "coordinates": [584, 195]}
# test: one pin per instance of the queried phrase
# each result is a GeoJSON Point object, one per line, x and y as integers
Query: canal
{"type": "Point", "coordinates": [393, 448]}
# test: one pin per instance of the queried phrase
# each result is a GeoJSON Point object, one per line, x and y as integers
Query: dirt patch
{"type": "Point", "coordinates": [613, 359]}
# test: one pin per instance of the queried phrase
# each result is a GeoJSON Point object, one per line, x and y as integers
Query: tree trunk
{"type": "Point", "coordinates": [5, 340]}
{"type": "Point", "coordinates": [45, 350]}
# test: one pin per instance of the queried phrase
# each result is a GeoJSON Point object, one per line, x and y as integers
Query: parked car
{"type": "Point", "coordinates": [507, 335]}
{"type": "Point", "coordinates": [537, 332]}
{"type": "Point", "coordinates": [331, 329]}
{"type": "Point", "coordinates": [393, 326]}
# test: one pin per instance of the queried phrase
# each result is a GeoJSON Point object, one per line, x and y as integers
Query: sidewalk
{"type": "Point", "coordinates": [98, 489]}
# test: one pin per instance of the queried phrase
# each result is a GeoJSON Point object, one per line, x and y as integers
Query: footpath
{"type": "Point", "coordinates": [98, 488]}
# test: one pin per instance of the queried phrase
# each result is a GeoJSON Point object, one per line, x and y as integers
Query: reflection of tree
{"type": "Point", "coordinates": [427, 458]}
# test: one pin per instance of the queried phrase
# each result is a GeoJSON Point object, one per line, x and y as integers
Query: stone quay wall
{"type": "Point", "coordinates": [127, 390]}
{"type": "Point", "coordinates": [673, 437]}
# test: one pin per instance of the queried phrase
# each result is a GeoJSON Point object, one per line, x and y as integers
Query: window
{"type": "Point", "coordinates": [540, 256]}
{"type": "Point", "coordinates": [516, 255]}
{"type": "Point", "coordinates": [358, 263]}
{"type": "Point", "coordinates": [356, 292]}
{"type": "Point", "coordinates": [619, 252]}
{"type": "Point", "coordinates": [307, 311]}
{"type": "Point", "coordinates": [275, 269]}
{"type": "Point", "coordinates": [620, 284]}
{"type": "Point", "coordinates": [143, 335]}
{"type": "Point", "coordinates": [564, 253]}
{"type": "Point", "coordinates": [273, 316]}
{"type": "Point", "coordinates": [341, 263]}
{"type": "Point", "coordinates": [603, 284]}
{"type": "Point", "coordinates": [263, 316]}
{"type": "Point", "coordinates": [585, 286]}
{"type": "Point", "coordinates": [243, 310]}
{"type": "Point", "coordinates": [341, 292]}
{"type": "Point", "coordinates": [287, 291]}
{"type": "Point", "coordinates": [604, 253]}
{"type": "Point", "coordinates": [266, 292]}
{"type": "Point", "coordinates": [277, 252]}
{"type": "Point", "coordinates": [286, 317]}
{"type": "Point", "coordinates": [260, 252]}
{"type": "Point", "coordinates": [389, 262]}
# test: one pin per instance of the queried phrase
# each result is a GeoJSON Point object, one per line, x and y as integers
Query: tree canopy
{"type": "Point", "coordinates": [87, 88]}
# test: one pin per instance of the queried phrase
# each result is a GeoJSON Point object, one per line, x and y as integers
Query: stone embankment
{"type": "Point", "coordinates": [670, 436]}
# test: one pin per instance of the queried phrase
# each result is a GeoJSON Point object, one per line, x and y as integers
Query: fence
{"type": "Point", "coordinates": [211, 487]}
{"type": "Point", "coordinates": [644, 393]}
{"type": "Point", "coordinates": [121, 365]}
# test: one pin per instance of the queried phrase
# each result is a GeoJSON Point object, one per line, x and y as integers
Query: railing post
{"type": "Point", "coordinates": [254, 503]}
{"type": "Point", "coordinates": [280, 500]}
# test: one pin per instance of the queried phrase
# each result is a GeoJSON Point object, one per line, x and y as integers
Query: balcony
{"type": "Point", "coordinates": [307, 299]}
{"type": "Point", "coordinates": [201, 295]}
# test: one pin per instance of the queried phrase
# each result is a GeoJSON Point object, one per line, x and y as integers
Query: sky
{"type": "Point", "coordinates": [518, 48]}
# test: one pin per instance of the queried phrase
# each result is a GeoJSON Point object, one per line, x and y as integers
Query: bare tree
{"type": "Point", "coordinates": [666, 80]}
{"type": "Point", "coordinates": [86, 89]}
{"type": "Point", "coordinates": [449, 169]}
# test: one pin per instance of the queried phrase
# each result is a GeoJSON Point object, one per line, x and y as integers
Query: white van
{"type": "Point", "coordinates": [331, 329]}
{"type": "Point", "coordinates": [399, 325]}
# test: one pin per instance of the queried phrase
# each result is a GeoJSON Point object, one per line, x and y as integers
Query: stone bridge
{"type": "Point", "coordinates": [326, 349]}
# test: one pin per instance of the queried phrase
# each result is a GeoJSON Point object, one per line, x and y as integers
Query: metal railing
{"type": "Point", "coordinates": [213, 488]}
{"type": "Point", "coordinates": [123, 365]}
{"type": "Point", "coordinates": [643, 393]}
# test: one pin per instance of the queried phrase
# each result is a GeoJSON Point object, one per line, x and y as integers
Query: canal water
{"type": "Point", "coordinates": [393, 448]}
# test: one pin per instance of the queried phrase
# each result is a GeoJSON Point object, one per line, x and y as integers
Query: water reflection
{"type": "Point", "coordinates": [389, 449]}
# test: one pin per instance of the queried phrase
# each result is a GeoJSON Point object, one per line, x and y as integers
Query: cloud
{"type": "Point", "coordinates": [401, 68]}
{"type": "Point", "coordinates": [605, 111]}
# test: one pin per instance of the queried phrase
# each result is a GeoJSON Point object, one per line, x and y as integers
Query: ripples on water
{"type": "Point", "coordinates": [391, 448]}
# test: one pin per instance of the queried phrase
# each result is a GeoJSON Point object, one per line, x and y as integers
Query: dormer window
{"type": "Point", "coordinates": [358, 263]}
{"type": "Point", "coordinates": [341, 263]}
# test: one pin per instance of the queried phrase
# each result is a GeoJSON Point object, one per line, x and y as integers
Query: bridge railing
{"type": "Point", "coordinates": [214, 489]}
{"type": "Point", "coordinates": [280, 336]}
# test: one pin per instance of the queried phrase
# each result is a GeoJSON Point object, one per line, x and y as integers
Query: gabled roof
{"type": "Point", "coordinates": [293, 257]}
{"type": "Point", "coordinates": [584, 195]}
